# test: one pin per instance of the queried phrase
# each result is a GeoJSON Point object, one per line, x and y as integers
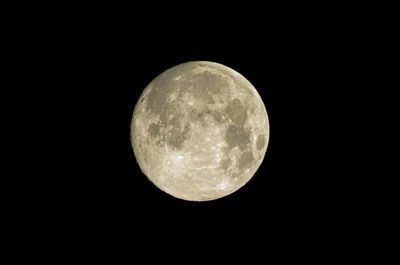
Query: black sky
{"type": "Point", "coordinates": [99, 65]}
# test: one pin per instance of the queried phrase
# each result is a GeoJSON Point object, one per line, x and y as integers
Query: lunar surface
{"type": "Point", "coordinates": [199, 131]}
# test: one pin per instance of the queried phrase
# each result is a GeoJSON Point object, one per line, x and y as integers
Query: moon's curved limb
{"type": "Point", "coordinates": [199, 131]}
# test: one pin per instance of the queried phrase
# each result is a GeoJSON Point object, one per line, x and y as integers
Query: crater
{"type": "Point", "coordinates": [260, 141]}
{"type": "Point", "coordinates": [237, 112]}
{"type": "Point", "coordinates": [237, 136]}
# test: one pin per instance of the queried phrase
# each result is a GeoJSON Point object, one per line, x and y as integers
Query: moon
{"type": "Point", "coordinates": [199, 131]}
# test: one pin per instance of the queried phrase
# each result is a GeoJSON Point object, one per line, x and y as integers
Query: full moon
{"type": "Point", "coordinates": [199, 131]}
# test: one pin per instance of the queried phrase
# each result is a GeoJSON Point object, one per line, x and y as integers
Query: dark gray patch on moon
{"type": "Point", "coordinates": [176, 140]}
{"type": "Point", "coordinates": [206, 84]}
{"type": "Point", "coordinates": [237, 112]}
{"type": "Point", "coordinates": [154, 129]}
{"type": "Point", "coordinates": [157, 98]}
{"type": "Point", "coordinates": [245, 160]}
{"type": "Point", "coordinates": [177, 133]}
{"type": "Point", "coordinates": [260, 141]}
{"type": "Point", "coordinates": [225, 163]}
{"type": "Point", "coordinates": [237, 136]}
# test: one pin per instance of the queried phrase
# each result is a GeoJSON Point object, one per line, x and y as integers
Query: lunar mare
{"type": "Point", "coordinates": [199, 131]}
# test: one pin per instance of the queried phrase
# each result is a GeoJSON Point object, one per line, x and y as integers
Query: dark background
{"type": "Point", "coordinates": [290, 68]}
{"type": "Point", "coordinates": [91, 67]}
{"type": "Point", "coordinates": [77, 71]}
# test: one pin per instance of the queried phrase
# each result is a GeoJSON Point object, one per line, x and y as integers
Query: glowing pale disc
{"type": "Point", "coordinates": [199, 131]}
